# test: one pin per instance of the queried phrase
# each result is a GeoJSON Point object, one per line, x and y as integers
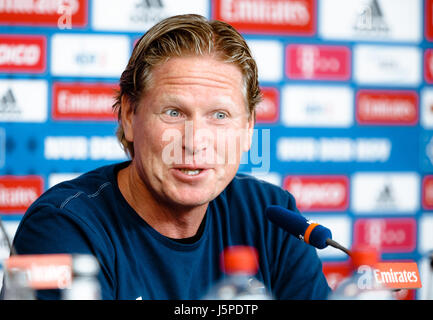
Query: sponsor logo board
{"type": "Point", "coordinates": [386, 234]}
{"type": "Point", "coordinates": [83, 148]}
{"type": "Point", "coordinates": [337, 271]}
{"type": "Point", "coordinates": [428, 65]}
{"type": "Point", "coordinates": [65, 148]}
{"type": "Point", "coordinates": [387, 65]}
{"type": "Point", "coordinates": [427, 192]}
{"type": "Point", "coordinates": [105, 148]}
{"type": "Point", "coordinates": [387, 107]}
{"type": "Point", "coordinates": [382, 192]}
{"type": "Point", "coordinates": [426, 152]}
{"type": "Point", "coordinates": [2, 147]}
{"type": "Point", "coordinates": [140, 15]}
{"type": "Point", "coordinates": [317, 106]}
{"type": "Point", "coordinates": [271, 16]}
{"type": "Point", "coordinates": [318, 62]}
{"type": "Point", "coordinates": [22, 53]}
{"type": "Point", "coordinates": [309, 149]}
{"type": "Point", "coordinates": [23, 100]}
{"type": "Point", "coordinates": [429, 19]}
{"type": "Point", "coordinates": [17, 193]}
{"type": "Point", "coordinates": [87, 55]}
{"type": "Point", "coordinates": [425, 240]}
{"type": "Point", "coordinates": [319, 193]}
{"type": "Point", "coordinates": [83, 101]}
{"type": "Point", "coordinates": [397, 275]}
{"type": "Point", "coordinates": [372, 20]}
{"type": "Point", "coordinates": [269, 58]}
{"type": "Point", "coordinates": [268, 110]}
{"type": "Point", "coordinates": [44, 13]}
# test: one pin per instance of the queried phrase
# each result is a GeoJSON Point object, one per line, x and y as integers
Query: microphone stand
{"type": "Point", "coordinates": [336, 245]}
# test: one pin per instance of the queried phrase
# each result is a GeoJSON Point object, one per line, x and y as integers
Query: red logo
{"type": "Point", "coordinates": [83, 101]}
{"type": "Point", "coordinates": [428, 65]}
{"type": "Point", "coordinates": [318, 62]}
{"type": "Point", "coordinates": [43, 13]}
{"type": "Point", "coordinates": [319, 193]}
{"type": "Point", "coordinates": [335, 272]}
{"type": "Point", "coordinates": [18, 193]}
{"type": "Point", "coordinates": [427, 192]}
{"type": "Point", "coordinates": [429, 20]}
{"type": "Point", "coordinates": [267, 111]}
{"type": "Point", "coordinates": [387, 235]}
{"type": "Point", "coordinates": [270, 16]}
{"type": "Point", "coordinates": [397, 275]}
{"type": "Point", "coordinates": [387, 107]}
{"type": "Point", "coordinates": [21, 53]}
{"type": "Point", "coordinates": [43, 271]}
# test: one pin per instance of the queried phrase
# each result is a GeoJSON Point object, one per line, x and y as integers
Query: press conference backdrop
{"type": "Point", "coordinates": [346, 123]}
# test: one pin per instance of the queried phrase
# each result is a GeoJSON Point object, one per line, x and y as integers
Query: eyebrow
{"type": "Point", "coordinates": [215, 100]}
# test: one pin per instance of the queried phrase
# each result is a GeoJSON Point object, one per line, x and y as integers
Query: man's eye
{"type": "Point", "coordinates": [220, 115]}
{"type": "Point", "coordinates": [172, 113]}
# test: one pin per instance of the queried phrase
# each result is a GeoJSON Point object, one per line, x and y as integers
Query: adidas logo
{"type": "Point", "coordinates": [385, 199]}
{"type": "Point", "coordinates": [148, 4]}
{"type": "Point", "coordinates": [370, 19]}
{"type": "Point", "coordinates": [8, 104]}
{"type": "Point", "coordinates": [148, 11]}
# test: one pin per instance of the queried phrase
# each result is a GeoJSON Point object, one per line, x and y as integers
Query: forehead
{"type": "Point", "coordinates": [198, 71]}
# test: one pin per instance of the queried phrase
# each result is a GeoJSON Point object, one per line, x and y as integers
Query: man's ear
{"type": "Point", "coordinates": [127, 115]}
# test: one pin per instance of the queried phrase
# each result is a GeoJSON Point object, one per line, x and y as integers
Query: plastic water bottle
{"type": "Point", "coordinates": [85, 284]}
{"type": "Point", "coordinates": [240, 264]}
{"type": "Point", "coordinates": [361, 285]}
{"type": "Point", "coordinates": [17, 285]}
{"type": "Point", "coordinates": [429, 295]}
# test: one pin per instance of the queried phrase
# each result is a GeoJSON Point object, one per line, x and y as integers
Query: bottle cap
{"type": "Point", "coordinates": [240, 259]}
{"type": "Point", "coordinates": [364, 255]}
{"type": "Point", "coordinates": [84, 264]}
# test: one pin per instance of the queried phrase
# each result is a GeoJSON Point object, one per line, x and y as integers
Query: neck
{"type": "Point", "coordinates": [171, 220]}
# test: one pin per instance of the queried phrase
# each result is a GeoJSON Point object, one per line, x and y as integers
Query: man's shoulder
{"type": "Point", "coordinates": [244, 182]}
{"type": "Point", "coordinates": [81, 191]}
{"type": "Point", "coordinates": [255, 191]}
{"type": "Point", "coordinates": [244, 178]}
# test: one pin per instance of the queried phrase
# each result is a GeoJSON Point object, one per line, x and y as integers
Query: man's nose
{"type": "Point", "coordinates": [196, 136]}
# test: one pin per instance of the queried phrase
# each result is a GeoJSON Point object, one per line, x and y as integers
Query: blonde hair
{"type": "Point", "coordinates": [183, 35]}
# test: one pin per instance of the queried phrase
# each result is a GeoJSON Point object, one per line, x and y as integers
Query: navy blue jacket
{"type": "Point", "coordinates": [90, 215]}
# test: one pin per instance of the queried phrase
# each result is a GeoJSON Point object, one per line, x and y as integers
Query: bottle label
{"type": "Point", "coordinates": [44, 271]}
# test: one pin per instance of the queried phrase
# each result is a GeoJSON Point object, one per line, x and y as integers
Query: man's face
{"type": "Point", "coordinates": [190, 130]}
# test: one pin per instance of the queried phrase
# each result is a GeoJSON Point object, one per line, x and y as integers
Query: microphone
{"type": "Point", "coordinates": [297, 225]}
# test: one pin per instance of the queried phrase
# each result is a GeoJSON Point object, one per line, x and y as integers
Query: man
{"type": "Point", "coordinates": [157, 224]}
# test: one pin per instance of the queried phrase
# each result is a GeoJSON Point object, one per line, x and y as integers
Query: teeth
{"type": "Point", "coordinates": [190, 172]}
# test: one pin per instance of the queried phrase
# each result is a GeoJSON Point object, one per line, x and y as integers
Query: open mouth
{"type": "Point", "coordinates": [191, 172]}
